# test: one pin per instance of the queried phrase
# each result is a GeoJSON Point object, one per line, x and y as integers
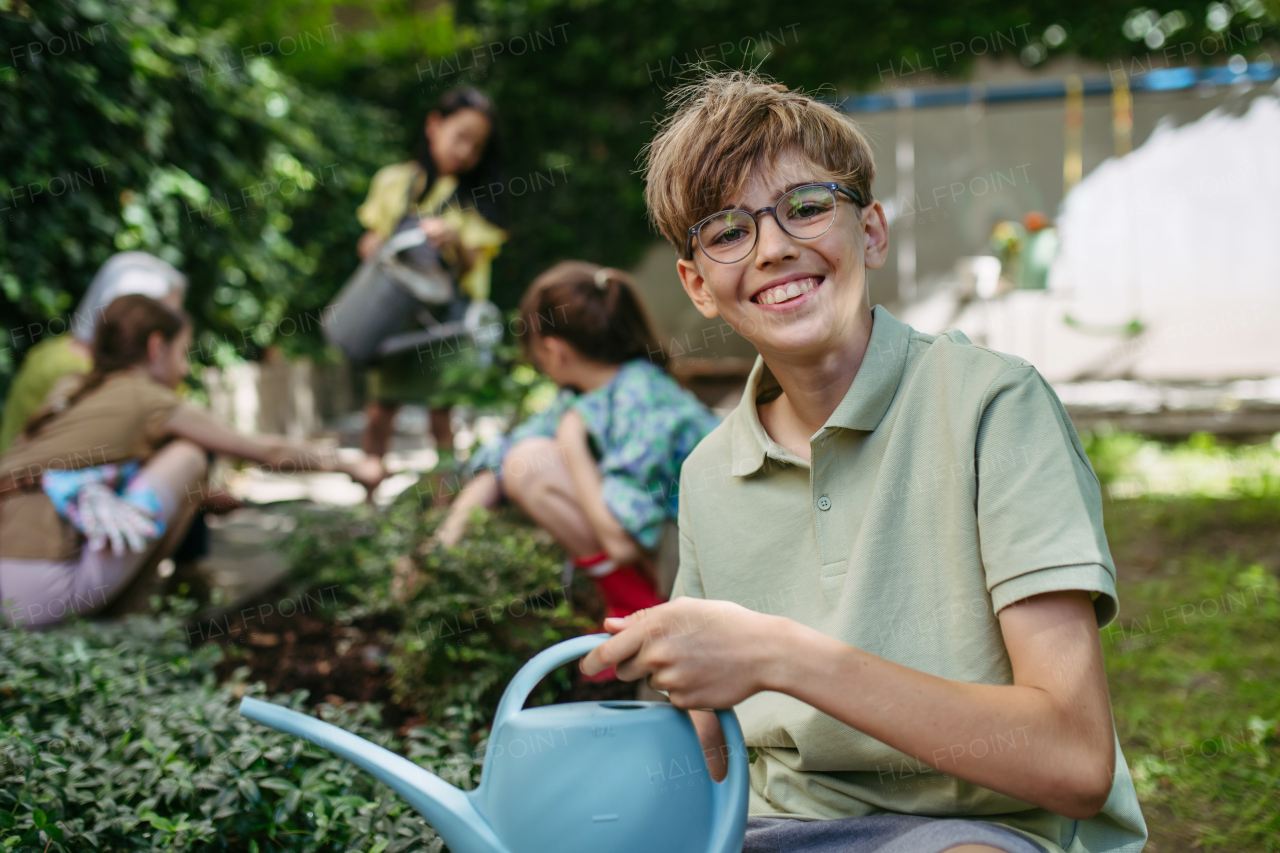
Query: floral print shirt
{"type": "Point", "coordinates": [642, 426]}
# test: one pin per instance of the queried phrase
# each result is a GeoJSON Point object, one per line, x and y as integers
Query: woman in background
{"type": "Point", "coordinates": [455, 185]}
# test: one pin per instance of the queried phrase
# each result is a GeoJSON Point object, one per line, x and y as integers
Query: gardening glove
{"type": "Point", "coordinates": [104, 516]}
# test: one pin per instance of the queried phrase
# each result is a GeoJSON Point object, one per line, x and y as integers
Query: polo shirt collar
{"type": "Point", "coordinates": [863, 407]}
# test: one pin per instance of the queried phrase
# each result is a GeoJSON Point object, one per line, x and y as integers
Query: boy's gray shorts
{"type": "Point", "coordinates": [879, 834]}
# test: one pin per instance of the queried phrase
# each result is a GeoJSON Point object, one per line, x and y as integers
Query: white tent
{"type": "Point", "coordinates": [1191, 216]}
{"type": "Point", "coordinates": [1181, 238]}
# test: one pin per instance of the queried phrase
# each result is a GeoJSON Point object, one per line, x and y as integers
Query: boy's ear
{"type": "Point", "coordinates": [696, 286]}
{"type": "Point", "coordinates": [875, 236]}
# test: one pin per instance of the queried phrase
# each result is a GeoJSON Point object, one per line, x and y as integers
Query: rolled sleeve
{"type": "Point", "coordinates": [1039, 505]}
{"type": "Point", "coordinates": [1091, 578]}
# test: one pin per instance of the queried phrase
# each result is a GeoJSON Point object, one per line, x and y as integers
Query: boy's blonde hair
{"type": "Point", "coordinates": [725, 126]}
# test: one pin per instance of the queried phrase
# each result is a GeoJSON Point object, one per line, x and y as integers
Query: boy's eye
{"type": "Point", "coordinates": [808, 203]}
{"type": "Point", "coordinates": [729, 235]}
{"type": "Point", "coordinates": [726, 230]}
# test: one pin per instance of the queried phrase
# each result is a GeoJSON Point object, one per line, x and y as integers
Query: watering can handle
{"type": "Point", "coordinates": [537, 669]}
{"type": "Point", "coordinates": [729, 796]}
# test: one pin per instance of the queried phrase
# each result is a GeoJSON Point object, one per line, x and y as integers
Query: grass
{"type": "Point", "coordinates": [1193, 662]}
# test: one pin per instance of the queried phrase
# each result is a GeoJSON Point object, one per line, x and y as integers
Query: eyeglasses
{"type": "Point", "coordinates": [805, 212]}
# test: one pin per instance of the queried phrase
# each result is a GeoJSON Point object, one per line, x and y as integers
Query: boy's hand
{"type": "Point", "coordinates": [705, 654]}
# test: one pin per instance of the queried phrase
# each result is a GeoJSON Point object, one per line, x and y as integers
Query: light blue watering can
{"type": "Point", "coordinates": [583, 777]}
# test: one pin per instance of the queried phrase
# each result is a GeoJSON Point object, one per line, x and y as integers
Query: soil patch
{"type": "Point", "coordinates": [339, 662]}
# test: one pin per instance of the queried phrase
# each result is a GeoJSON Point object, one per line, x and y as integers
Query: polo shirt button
{"type": "Point", "coordinates": [824, 503]}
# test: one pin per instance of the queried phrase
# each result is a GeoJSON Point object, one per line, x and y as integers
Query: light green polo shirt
{"type": "Point", "coordinates": [947, 484]}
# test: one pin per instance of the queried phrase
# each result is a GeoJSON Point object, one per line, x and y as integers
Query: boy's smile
{"type": "Point", "coordinates": [786, 292]}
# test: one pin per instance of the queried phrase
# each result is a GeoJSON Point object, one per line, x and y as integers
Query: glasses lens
{"type": "Point", "coordinates": [807, 212]}
{"type": "Point", "coordinates": [728, 236]}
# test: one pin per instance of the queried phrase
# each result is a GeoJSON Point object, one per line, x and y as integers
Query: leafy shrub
{"type": "Point", "coordinates": [476, 614]}
{"type": "Point", "coordinates": [117, 738]}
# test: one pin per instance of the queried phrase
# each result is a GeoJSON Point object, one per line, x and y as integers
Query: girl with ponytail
{"type": "Point", "coordinates": [115, 457]}
{"type": "Point", "coordinates": [599, 468]}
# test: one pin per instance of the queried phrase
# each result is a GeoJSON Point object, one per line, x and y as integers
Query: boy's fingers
{"type": "Point", "coordinates": [612, 651]}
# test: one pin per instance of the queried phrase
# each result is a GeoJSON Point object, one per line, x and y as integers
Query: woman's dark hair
{"type": "Point", "coordinates": [596, 310]}
{"type": "Point", "coordinates": [474, 187]}
{"type": "Point", "coordinates": [119, 343]}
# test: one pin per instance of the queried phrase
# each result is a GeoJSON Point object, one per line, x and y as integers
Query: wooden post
{"type": "Point", "coordinates": [905, 162]}
{"type": "Point", "coordinates": [1121, 113]}
{"type": "Point", "coordinates": [1073, 125]}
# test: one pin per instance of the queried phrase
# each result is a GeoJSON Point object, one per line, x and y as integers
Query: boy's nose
{"type": "Point", "coordinates": [772, 243]}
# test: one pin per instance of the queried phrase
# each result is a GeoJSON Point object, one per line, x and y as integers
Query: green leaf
{"type": "Point", "coordinates": [249, 789]}
{"type": "Point", "coordinates": [284, 786]}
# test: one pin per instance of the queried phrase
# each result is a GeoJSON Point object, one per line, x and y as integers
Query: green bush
{"type": "Point", "coordinates": [116, 737]}
{"type": "Point", "coordinates": [479, 611]}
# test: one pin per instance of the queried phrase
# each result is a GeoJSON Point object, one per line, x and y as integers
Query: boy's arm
{"type": "Point", "coordinates": [571, 436]}
{"type": "Point", "coordinates": [1057, 707]}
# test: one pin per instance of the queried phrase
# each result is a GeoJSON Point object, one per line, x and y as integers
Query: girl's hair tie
{"type": "Point", "coordinates": [602, 277]}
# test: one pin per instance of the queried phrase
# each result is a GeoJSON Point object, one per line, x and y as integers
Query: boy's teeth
{"type": "Point", "coordinates": [790, 290]}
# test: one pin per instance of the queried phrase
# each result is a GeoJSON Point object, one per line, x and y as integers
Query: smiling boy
{"type": "Point", "coordinates": [917, 512]}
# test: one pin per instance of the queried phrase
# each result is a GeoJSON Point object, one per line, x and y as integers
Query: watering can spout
{"type": "Point", "coordinates": [449, 810]}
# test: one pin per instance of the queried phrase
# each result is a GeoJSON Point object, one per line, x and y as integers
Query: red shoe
{"type": "Point", "coordinates": [625, 590]}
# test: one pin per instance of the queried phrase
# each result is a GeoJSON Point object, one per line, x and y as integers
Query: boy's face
{"type": "Point", "coordinates": [830, 271]}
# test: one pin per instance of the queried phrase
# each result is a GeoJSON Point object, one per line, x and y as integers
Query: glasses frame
{"type": "Point", "coordinates": [832, 186]}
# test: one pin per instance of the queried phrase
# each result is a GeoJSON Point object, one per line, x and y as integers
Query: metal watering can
{"type": "Point", "coordinates": [578, 777]}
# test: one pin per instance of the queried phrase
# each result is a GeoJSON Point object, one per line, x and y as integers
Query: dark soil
{"type": "Point", "coordinates": [336, 662]}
